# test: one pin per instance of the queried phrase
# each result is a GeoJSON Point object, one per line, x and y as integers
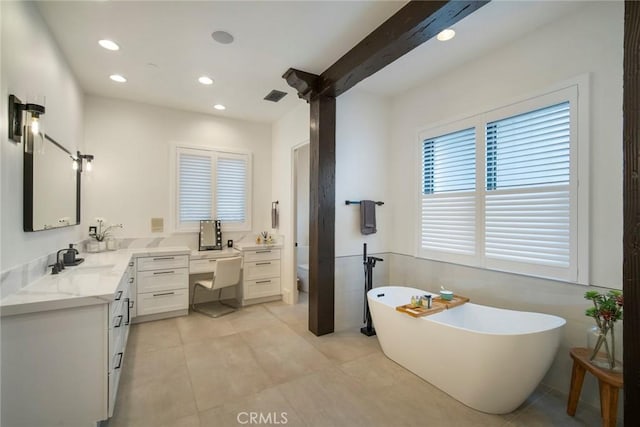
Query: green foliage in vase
{"type": "Point", "coordinates": [607, 310]}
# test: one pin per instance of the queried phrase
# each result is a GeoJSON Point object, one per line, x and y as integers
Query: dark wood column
{"type": "Point", "coordinates": [322, 214]}
{"type": "Point", "coordinates": [631, 265]}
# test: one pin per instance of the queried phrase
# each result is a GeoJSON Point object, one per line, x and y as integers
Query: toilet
{"type": "Point", "coordinates": [303, 276]}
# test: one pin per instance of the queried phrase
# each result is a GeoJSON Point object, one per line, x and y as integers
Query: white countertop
{"type": "Point", "coordinates": [92, 282]}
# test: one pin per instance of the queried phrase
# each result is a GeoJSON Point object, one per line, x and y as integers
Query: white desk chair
{"type": "Point", "coordinates": [227, 274]}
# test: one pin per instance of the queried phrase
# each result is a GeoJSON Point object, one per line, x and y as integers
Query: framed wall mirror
{"type": "Point", "coordinates": [51, 186]}
{"type": "Point", "coordinates": [210, 235]}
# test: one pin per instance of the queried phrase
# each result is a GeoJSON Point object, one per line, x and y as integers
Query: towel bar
{"type": "Point", "coordinates": [357, 202]}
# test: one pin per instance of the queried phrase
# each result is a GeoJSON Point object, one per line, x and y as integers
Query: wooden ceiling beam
{"type": "Point", "coordinates": [305, 83]}
{"type": "Point", "coordinates": [414, 24]}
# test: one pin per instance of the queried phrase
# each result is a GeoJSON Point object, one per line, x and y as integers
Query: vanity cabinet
{"type": "Point", "coordinates": [163, 286]}
{"type": "Point", "coordinates": [62, 366]}
{"type": "Point", "coordinates": [261, 275]}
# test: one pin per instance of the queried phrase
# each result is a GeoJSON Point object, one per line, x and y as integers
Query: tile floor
{"type": "Point", "coordinates": [195, 371]}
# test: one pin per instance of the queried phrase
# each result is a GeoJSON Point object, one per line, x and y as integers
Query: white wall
{"type": "Point", "coordinates": [302, 195]}
{"type": "Point", "coordinates": [542, 59]}
{"type": "Point", "coordinates": [290, 131]}
{"type": "Point", "coordinates": [302, 172]}
{"type": "Point", "coordinates": [131, 181]}
{"type": "Point", "coordinates": [362, 135]}
{"type": "Point", "coordinates": [552, 54]}
{"type": "Point", "coordinates": [34, 70]}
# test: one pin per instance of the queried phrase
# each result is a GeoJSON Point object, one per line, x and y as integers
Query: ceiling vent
{"type": "Point", "coordinates": [275, 95]}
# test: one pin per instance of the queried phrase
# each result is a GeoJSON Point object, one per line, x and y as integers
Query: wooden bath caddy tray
{"type": "Point", "coordinates": [456, 301]}
{"type": "Point", "coordinates": [437, 305]}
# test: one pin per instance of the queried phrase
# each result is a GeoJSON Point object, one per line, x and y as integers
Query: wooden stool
{"type": "Point", "coordinates": [608, 381]}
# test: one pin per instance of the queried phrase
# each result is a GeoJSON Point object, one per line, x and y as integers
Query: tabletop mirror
{"type": "Point", "coordinates": [210, 235]}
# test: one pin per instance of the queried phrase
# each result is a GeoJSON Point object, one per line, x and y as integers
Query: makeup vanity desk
{"type": "Point", "coordinates": [260, 270]}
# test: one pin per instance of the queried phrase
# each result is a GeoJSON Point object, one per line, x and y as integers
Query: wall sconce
{"type": "Point", "coordinates": [77, 164]}
{"type": "Point", "coordinates": [17, 112]}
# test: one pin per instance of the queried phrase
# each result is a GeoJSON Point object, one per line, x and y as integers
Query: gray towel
{"type": "Point", "coordinates": [368, 217]}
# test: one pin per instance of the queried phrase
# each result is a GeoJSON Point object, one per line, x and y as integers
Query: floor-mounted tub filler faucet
{"type": "Point", "coordinates": [369, 263]}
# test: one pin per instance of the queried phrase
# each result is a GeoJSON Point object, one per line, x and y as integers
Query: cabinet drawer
{"type": "Point", "coordinates": [261, 269]}
{"type": "Point", "coordinates": [160, 302]}
{"type": "Point", "coordinates": [162, 280]}
{"type": "Point", "coordinates": [163, 262]}
{"type": "Point", "coordinates": [261, 288]}
{"type": "Point", "coordinates": [261, 255]}
{"type": "Point", "coordinates": [205, 265]}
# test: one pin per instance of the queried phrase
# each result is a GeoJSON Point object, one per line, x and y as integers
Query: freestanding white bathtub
{"type": "Point", "coordinates": [488, 358]}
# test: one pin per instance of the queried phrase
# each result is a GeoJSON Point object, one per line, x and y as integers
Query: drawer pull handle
{"type": "Point", "coordinates": [119, 322]}
{"type": "Point", "coordinates": [164, 258]}
{"type": "Point", "coordinates": [119, 361]}
{"type": "Point", "coordinates": [130, 279]}
{"type": "Point", "coordinates": [118, 295]}
{"type": "Point", "coordinates": [264, 281]}
{"type": "Point", "coordinates": [263, 252]}
{"type": "Point", "coordinates": [164, 293]}
{"type": "Point", "coordinates": [131, 264]}
{"type": "Point", "coordinates": [212, 260]}
{"type": "Point", "coordinates": [163, 272]}
{"type": "Point", "coordinates": [263, 263]}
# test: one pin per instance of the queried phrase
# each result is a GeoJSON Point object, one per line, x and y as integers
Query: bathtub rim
{"type": "Point", "coordinates": [561, 322]}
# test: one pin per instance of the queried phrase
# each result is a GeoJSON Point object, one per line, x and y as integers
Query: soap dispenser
{"type": "Point", "coordinates": [69, 257]}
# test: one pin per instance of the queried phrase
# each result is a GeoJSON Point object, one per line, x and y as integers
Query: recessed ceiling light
{"type": "Point", "coordinates": [219, 107]}
{"type": "Point", "coordinates": [117, 78]}
{"type": "Point", "coordinates": [205, 80]}
{"type": "Point", "coordinates": [222, 37]}
{"type": "Point", "coordinates": [109, 44]}
{"type": "Point", "coordinates": [446, 34]}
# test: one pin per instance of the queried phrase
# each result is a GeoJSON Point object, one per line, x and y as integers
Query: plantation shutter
{"type": "Point", "coordinates": [194, 187]}
{"type": "Point", "coordinates": [448, 194]}
{"type": "Point", "coordinates": [527, 203]}
{"type": "Point", "coordinates": [231, 188]}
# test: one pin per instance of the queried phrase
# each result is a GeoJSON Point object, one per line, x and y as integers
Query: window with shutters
{"type": "Point", "coordinates": [448, 195]}
{"type": "Point", "coordinates": [502, 193]}
{"type": "Point", "coordinates": [212, 184]}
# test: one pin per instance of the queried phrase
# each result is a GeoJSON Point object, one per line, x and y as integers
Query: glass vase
{"type": "Point", "coordinates": [602, 349]}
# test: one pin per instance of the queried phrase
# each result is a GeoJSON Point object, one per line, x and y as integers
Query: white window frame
{"type": "Point", "coordinates": [576, 92]}
{"type": "Point", "coordinates": [214, 153]}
